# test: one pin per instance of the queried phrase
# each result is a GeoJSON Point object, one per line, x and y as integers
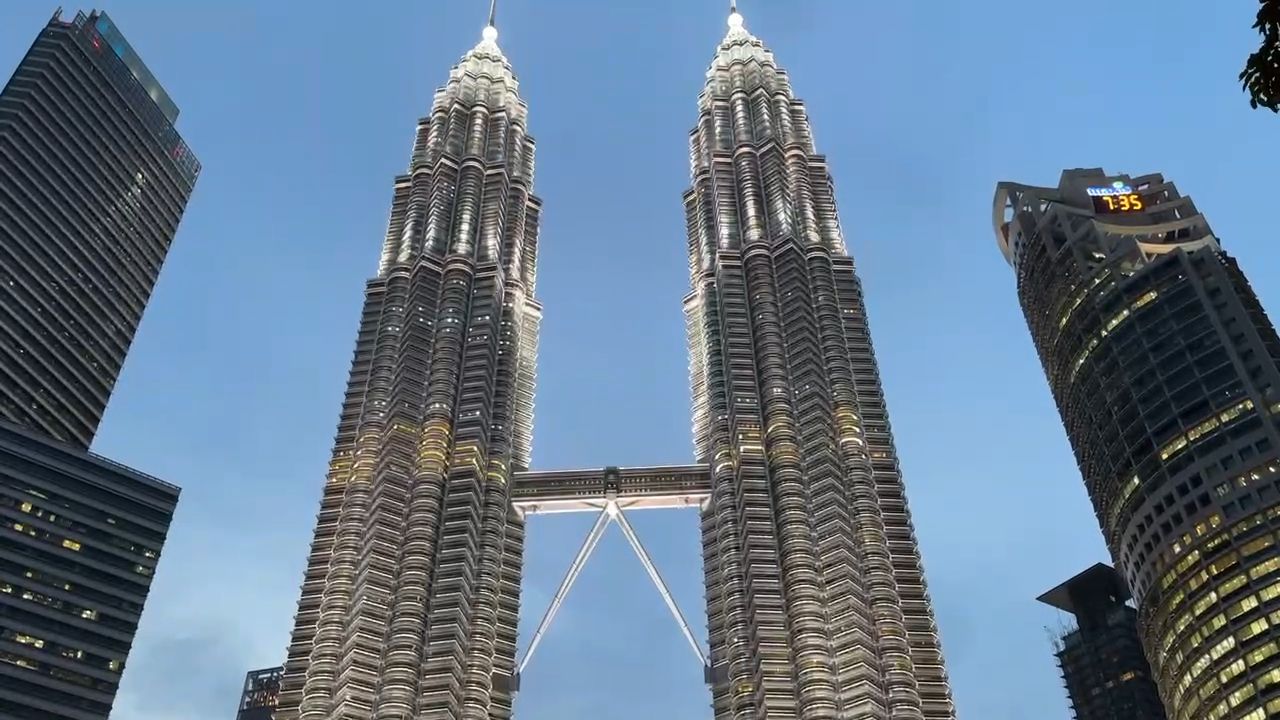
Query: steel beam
{"type": "Point", "coordinates": [588, 546]}
{"type": "Point", "coordinates": [619, 517]}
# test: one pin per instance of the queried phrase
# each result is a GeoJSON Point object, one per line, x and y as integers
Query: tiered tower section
{"type": "Point", "coordinates": [410, 598]}
{"type": "Point", "coordinates": [816, 598]}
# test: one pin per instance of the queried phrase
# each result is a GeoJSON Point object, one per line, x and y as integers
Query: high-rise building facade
{"type": "Point", "coordinates": [816, 598]}
{"type": "Point", "coordinates": [93, 182]}
{"type": "Point", "coordinates": [815, 595]}
{"type": "Point", "coordinates": [1166, 373]}
{"type": "Point", "coordinates": [408, 606]}
{"type": "Point", "coordinates": [80, 537]}
{"type": "Point", "coordinates": [1103, 666]}
{"type": "Point", "coordinates": [261, 694]}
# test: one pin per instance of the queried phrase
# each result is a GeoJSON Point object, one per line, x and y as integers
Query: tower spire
{"type": "Point", "coordinates": [490, 33]}
{"type": "Point", "coordinates": [736, 21]}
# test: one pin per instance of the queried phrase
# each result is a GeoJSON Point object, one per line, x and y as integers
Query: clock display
{"type": "Point", "coordinates": [1128, 202]}
{"type": "Point", "coordinates": [1116, 198]}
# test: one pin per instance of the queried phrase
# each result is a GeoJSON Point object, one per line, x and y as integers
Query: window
{"type": "Point", "coordinates": [28, 640]}
{"type": "Point", "coordinates": [1253, 628]}
{"type": "Point", "coordinates": [1256, 545]}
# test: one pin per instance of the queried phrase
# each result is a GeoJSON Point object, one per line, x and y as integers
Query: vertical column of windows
{"type": "Point", "coordinates": [387, 422]}
{"type": "Point", "coordinates": [774, 682]}
{"type": "Point", "coordinates": [311, 673]}
{"type": "Point", "coordinates": [858, 664]}
{"type": "Point", "coordinates": [740, 674]}
{"type": "Point", "coordinates": [306, 619]}
{"type": "Point", "coordinates": [868, 494]}
{"type": "Point", "coordinates": [717, 635]}
{"type": "Point", "coordinates": [428, 563]}
{"type": "Point", "coordinates": [490, 476]}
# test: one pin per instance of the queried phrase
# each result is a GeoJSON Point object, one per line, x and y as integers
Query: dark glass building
{"type": "Point", "coordinates": [1105, 671]}
{"type": "Point", "coordinates": [1166, 372]}
{"type": "Point", "coordinates": [79, 540]}
{"type": "Point", "coordinates": [261, 694]}
{"type": "Point", "coordinates": [93, 181]}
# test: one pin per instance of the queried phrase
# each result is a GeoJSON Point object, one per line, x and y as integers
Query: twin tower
{"type": "Point", "coordinates": [816, 602]}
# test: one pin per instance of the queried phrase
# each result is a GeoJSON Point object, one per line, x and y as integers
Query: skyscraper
{"type": "Point", "coordinates": [1103, 665]}
{"type": "Point", "coordinates": [815, 596]}
{"type": "Point", "coordinates": [93, 181]}
{"type": "Point", "coordinates": [1166, 373]}
{"type": "Point", "coordinates": [409, 602]}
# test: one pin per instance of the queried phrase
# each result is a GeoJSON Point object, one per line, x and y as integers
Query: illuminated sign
{"type": "Point", "coordinates": [1115, 188]}
{"type": "Point", "coordinates": [1116, 198]}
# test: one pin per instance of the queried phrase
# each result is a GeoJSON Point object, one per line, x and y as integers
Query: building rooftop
{"type": "Point", "coordinates": [1101, 580]}
{"type": "Point", "coordinates": [18, 438]}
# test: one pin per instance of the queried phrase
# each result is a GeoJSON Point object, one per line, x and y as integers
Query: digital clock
{"type": "Point", "coordinates": [1116, 198]}
{"type": "Point", "coordinates": [1129, 202]}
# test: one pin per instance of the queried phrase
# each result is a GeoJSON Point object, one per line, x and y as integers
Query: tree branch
{"type": "Point", "coordinates": [1261, 75]}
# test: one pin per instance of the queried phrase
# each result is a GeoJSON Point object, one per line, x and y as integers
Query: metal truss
{"type": "Point", "coordinates": [612, 512]}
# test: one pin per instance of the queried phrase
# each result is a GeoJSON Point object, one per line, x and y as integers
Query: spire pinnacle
{"type": "Point", "coordinates": [736, 21]}
{"type": "Point", "coordinates": [490, 33]}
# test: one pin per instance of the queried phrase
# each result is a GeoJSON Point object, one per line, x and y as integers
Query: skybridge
{"type": "Point", "coordinates": [611, 493]}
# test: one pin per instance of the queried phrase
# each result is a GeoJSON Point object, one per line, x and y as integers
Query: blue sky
{"type": "Point", "coordinates": [303, 113]}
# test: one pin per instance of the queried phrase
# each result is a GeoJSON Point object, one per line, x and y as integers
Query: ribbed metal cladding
{"type": "Point", "coordinates": [410, 599]}
{"type": "Point", "coordinates": [817, 603]}
{"type": "Point", "coordinates": [1166, 373]}
{"type": "Point", "coordinates": [93, 182]}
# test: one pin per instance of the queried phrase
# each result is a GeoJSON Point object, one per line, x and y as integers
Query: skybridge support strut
{"type": "Point", "coordinates": [658, 582]}
{"type": "Point", "coordinates": [610, 513]}
{"type": "Point", "coordinates": [588, 546]}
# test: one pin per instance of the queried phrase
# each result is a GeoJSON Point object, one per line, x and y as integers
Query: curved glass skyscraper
{"type": "Point", "coordinates": [1166, 373]}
